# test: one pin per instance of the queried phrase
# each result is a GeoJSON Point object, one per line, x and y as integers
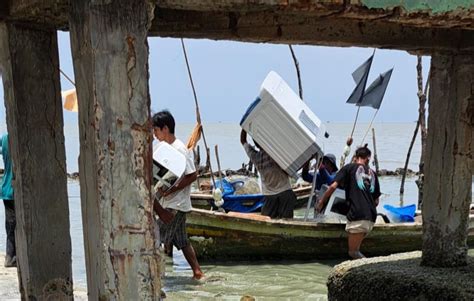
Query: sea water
{"type": "Point", "coordinates": [289, 280]}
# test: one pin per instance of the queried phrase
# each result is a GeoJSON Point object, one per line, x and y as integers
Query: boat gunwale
{"type": "Point", "coordinates": [306, 224]}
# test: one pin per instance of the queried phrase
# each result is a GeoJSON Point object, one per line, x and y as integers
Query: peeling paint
{"type": "Point", "coordinates": [411, 6]}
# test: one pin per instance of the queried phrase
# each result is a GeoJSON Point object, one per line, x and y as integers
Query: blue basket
{"type": "Point", "coordinates": [401, 214]}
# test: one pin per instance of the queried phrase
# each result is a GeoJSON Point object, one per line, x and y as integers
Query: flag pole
{"type": "Point", "coordinates": [370, 125]}
{"type": "Point", "coordinates": [355, 121]}
{"type": "Point", "coordinates": [347, 148]}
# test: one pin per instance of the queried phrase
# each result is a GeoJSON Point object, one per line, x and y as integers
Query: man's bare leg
{"type": "Point", "coordinates": [168, 248]}
{"type": "Point", "coordinates": [190, 256]}
{"type": "Point", "coordinates": [354, 241]}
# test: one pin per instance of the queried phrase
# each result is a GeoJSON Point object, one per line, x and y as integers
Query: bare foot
{"type": "Point", "coordinates": [10, 262]}
{"type": "Point", "coordinates": [198, 275]}
{"type": "Point", "coordinates": [356, 255]}
{"type": "Point", "coordinates": [162, 294]}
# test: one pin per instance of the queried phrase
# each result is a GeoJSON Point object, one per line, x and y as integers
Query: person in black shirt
{"type": "Point", "coordinates": [362, 194]}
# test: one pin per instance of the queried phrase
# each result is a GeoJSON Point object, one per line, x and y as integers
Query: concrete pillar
{"type": "Point", "coordinates": [30, 68]}
{"type": "Point", "coordinates": [110, 54]}
{"type": "Point", "coordinates": [448, 162]}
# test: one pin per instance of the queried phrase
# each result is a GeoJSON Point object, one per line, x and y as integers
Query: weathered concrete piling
{"type": "Point", "coordinates": [29, 66]}
{"type": "Point", "coordinates": [110, 53]}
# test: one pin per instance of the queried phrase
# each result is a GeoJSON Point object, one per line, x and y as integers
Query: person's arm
{"type": "Point", "coordinates": [182, 183]}
{"type": "Point", "coordinates": [165, 215]}
{"type": "Point", "coordinates": [243, 137]}
{"type": "Point", "coordinates": [340, 179]}
{"type": "Point", "coordinates": [324, 199]}
{"type": "Point", "coordinates": [305, 172]}
{"type": "Point", "coordinates": [251, 152]}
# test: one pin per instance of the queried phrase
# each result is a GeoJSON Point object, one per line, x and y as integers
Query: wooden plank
{"type": "Point", "coordinates": [29, 65]}
{"type": "Point", "coordinates": [435, 14]}
{"type": "Point", "coordinates": [310, 29]}
{"type": "Point", "coordinates": [110, 56]}
{"type": "Point", "coordinates": [314, 22]}
{"type": "Point", "coordinates": [247, 6]}
{"type": "Point", "coordinates": [449, 161]}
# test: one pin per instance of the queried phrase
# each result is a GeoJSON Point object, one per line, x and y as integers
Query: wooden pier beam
{"type": "Point", "coordinates": [110, 55]}
{"type": "Point", "coordinates": [29, 65]}
{"type": "Point", "coordinates": [449, 160]}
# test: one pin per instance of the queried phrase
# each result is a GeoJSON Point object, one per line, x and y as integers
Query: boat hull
{"type": "Point", "coordinates": [221, 237]}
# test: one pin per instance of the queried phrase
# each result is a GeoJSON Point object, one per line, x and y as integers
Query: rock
{"type": "Point", "coordinates": [73, 176]}
{"type": "Point", "coordinates": [399, 171]}
{"type": "Point", "coordinates": [399, 277]}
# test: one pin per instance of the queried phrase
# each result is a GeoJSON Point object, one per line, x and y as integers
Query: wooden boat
{"type": "Point", "coordinates": [204, 200]}
{"type": "Point", "coordinates": [220, 236]}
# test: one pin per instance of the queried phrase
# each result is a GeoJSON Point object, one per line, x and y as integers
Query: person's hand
{"type": "Point", "coordinates": [158, 192]}
{"type": "Point", "coordinates": [167, 192]}
{"type": "Point", "coordinates": [166, 216]}
{"type": "Point", "coordinates": [163, 193]}
{"type": "Point", "coordinates": [319, 207]}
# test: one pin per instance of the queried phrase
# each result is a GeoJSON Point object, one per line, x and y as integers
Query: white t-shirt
{"type": "Point", "coordinates": [181, 200]}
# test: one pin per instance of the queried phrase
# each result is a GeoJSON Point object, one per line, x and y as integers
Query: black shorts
{"type": "Point", "coordinates": [174, 232]}
{"type": "Point", "coordinates": [279, 205]}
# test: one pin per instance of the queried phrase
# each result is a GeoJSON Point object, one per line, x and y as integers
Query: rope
{"type": "Point", "coordinates": [198, 114]}
{"type": "Point", "coordinates": [368, 129]}
{"type": "Point", "coordinates": [67, 77]}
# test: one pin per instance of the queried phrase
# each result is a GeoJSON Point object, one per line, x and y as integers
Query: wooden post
{"type": "Point", "coordinates": [423, 133]}
{"type": "Point", "coordinates": [208, 160]}
{"type": "Point", "coordinates": [298, 74]}
{"type": "Point", "coordinates": [110, 54]}
{"type": "Point", "coordinates": [29, 65]}
{"type": "Point", "coordinates": [197, 157]}
{"type": "Point", "coordinates": [216, 149]}
{"type": "Point", "coordinates": [197, 163]}
{"type": "Point", "coordinates": [449, 170]}
{"type": "Point", "coordinates": [376, 158]}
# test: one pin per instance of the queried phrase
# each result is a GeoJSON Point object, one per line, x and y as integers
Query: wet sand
{"type": "Point", "coordinates": [9, 284]}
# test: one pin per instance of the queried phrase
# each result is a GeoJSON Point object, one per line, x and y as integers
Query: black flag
{"type": "Point", "coordinates": [374, 94]}
{"type": "Point", "coordinates": [360, 77]}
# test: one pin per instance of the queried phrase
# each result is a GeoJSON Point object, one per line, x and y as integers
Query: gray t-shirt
{"type": "Point", "coordinates": [274, 179]}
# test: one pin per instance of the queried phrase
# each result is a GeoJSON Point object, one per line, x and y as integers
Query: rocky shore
{"type": "Point", "coordinates": [399, 277]}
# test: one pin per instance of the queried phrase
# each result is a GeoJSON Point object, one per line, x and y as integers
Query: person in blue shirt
{"type": "Point", "coordinates": [325, 174]}
{"type": "Point", "coordinates": [7, 196]}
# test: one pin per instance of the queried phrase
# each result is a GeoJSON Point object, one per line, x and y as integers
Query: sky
{"type": "Point", "coordinates": [227, 76]}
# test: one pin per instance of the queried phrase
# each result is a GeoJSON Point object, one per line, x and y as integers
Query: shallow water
{"type": "Point", "coordinates": [264, 280]}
